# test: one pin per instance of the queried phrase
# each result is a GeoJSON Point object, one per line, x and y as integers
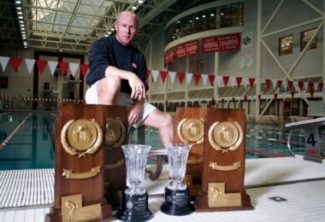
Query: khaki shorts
{"type": "Point", "coordinates": [124, 99]}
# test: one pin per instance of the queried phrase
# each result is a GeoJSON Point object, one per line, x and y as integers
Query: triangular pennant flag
{"type": "Point", "coordinates": [30, 64]}
{"type": "Point", "coordinates": [311, 91]}
{"type": "Point", "coordinates": [311, 86]}
{"type": "Point", "coordinates": [320, 86]}
{"type": "Point", "coordinates": [274, 82]}
{"type": "Point", "coordinates": [163, 75]}
{"type": "Point", "coordinates": [52, 66]}
{"type": "Point", "coordinates": [232, 81]}
{"type": "Point", "coordinates": [189, 78]}
{"type": "Point", "coordinates": [15, 62]}
{"type": "Point", "coordinates": [181, 76]}
{"type": "Point", "coordinates": [225, 80]}
{"type": "Point", "coordinates": [279, 82]}
{"type": "Point", "coordinates": [172, 76]}
{"type": "Point", "coordinates": [245, 82]}
{"type": "Point", "coordinates": [211, 79]}
{"type": "Point", "coordinates": [306, 85]}
{"type": "Point", "coordinates": [285, 84]}
{"type": "Point", "coordinates": [154, 74]}
{"type": "Point", "coordinates": [238, 80]}
{"type": "Point", "coordinates": [251, 81]}
{"type": "Point", "coordinates": [204, 79]}
{"type": "Point", "coordinates": [295, 85]}
{"type": "Point", "coordinates": [84, 69]}
{"type": "Point", "coordinates": [73, 68]}
{"type": "Point", "coordinates": [219, 78]}
{"type": "Point", "coordinates": [315, 86]}
{"type": "Point", "coordinates": [197, 77]}
{"type": "Point", "coordinates": [290, 84]}
{"type": "Point", "coordinates": [41, 65]}
{"type": "Point", "coordinates": [148, 75]}
{"type": "Point", "coordinates": [301, 85]}
{"type": "Point", "coordinates": [4, 62]}
{"type": "Point", "coordinates": [63, 67]}
{"type": "Point", "coordinates": [268, 83]}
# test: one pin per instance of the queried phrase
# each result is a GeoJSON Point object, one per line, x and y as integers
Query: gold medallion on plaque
{"type": "Point", "coordinates": [115, 132]}
{"type": "Point", "coordinates": [226, 136]}
{"type": "Point", "coordinates": [81, 137]}
{"type": "Point", "coordinates": [191, 131]}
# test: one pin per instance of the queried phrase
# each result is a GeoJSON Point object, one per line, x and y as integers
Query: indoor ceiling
{"type": "Point", "coordinates": [73, 25]}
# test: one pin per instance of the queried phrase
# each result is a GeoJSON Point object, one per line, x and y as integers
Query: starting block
{"type": "Point", "coordinates": [312, 141]}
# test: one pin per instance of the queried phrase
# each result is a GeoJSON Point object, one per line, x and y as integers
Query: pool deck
{"type": "Point", "coordinates": [281, 189]}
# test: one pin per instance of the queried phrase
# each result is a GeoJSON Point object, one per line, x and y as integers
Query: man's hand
{"type": "Point", "coordinates": [134, 113]}
{"type": "Point", "coordinates": [137, 86]}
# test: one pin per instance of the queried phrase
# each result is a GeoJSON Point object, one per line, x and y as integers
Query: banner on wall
{"type": "Point", "coordinates": [169, 56]}
{"type": "Point", "coordinates": [221, 43]}
{"type": "Point", "coordinates": [187, 49]}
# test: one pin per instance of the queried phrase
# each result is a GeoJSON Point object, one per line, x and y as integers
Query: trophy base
{"type": "Point", "coordinates": [177, 202]}
{"type": "Point", "coordinates": [134, 208]}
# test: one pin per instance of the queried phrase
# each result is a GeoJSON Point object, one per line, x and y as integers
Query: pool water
{"type": "Point", "coordinates": [27, 140]}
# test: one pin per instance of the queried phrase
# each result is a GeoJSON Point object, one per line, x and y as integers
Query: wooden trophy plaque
{"type": "Point", "coordinates": [223, 162]}
{"type": "Point", "coordinates": [189, 129]}
{"type": "Point", "coordinates": [85, 134]}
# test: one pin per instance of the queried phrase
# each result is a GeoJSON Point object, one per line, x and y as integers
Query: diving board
{"type": "Point", "coordinates": [312, 140]}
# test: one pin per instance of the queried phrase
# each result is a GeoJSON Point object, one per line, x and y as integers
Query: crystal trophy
{"type": "Point", "coordinates": [134, 204]}
{"type": "Point", "coordinates": [177, 196]}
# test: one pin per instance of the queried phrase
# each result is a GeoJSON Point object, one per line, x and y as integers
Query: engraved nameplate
{"type": "Point", "coordinates": [218, 198]}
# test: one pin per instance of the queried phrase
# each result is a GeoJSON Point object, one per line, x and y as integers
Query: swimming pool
{"type": "Point", "coordinates": [26, 141]}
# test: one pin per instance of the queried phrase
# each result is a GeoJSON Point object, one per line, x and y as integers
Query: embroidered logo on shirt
{"type": "Point", "coordinates": [134, 65]}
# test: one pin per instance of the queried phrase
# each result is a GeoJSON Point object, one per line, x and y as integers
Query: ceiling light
{"type": "Point", "coordinates": [140, 1]}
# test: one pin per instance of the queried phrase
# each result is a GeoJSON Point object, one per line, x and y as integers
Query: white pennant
{"type": "Point", "coordinates": [30, 64]}
{"type": "Point", "coordinates": [154, 74]}
{"type": "Point", "coordinates": [172, 76]}
{"type": "Point", "coordinates": [4, 62]}
{"type": "Point", "coordinates": [73, 68]}
{"type": "Point", "coordinates": [245, 81]}
{"type": "Point", "coordinates": [295, 85]}
{"type": "Point", "coordinates": [285, 84]}
{"type": "Point", "coordinates": [189, 78]}
{"type": "Point", "coordinates": [52, 65]}
{"type": "Point", "coordinates": [305, 85]}
{"type": "Point", "coordinates": [218, 79]}
{"type": "Point", "coordinates": [204, 79]}
{"type": "Point", "coordinates": [232, 81]}
{"type": "Point", "coordinates": [274, 82]}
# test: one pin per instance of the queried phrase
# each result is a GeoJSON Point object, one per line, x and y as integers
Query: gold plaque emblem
{"type": "Point", "coordinates": [191, 131]}
{"type": "Point", "coordinates": [115, 132]}
{"type": "Point", "coordinates": [81, 137]}
{"type": "Point", "coordinates": [226, 136]}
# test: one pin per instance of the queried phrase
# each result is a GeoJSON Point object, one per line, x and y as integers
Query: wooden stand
{"type": "Point", "coordinates": [87, 145]}
{"type": "Point", "coordinates": [189, 129]}
{"type": "Point", "coordinates": [223, 162]}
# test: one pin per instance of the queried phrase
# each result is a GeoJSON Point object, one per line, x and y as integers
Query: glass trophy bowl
{"type": "Point", "coordinates": [177, 198]}
{"type": "Point", "coordinates": [177, 159]}
{"type": "Point", "coordinates": [134, 204]}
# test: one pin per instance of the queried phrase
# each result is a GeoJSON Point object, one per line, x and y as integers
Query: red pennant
{"type": "Point", "coordinates": [41, 65]}
{"type": "Point", "coordinates": [225, 80]}
{"type": "Point", "coordinates": [251, 81]}
{"type": "Point", "coordinates": [280, 83]}
{"type": "Point", "coordinates": [63, 67]}
{"type": "Point", "coordinates": [275, 95]}
{"type": "Point", "coordinates": [197, 77]}
{"type": "Point", "coordinates": [163, 75]}
{"type": "Point", "coordinates": [84, 69]}
{"type": "Point", "coordinates": [311, 91]}
{"type": "Point", "coordinates": [15, 62]}
{"type": "Point", "coordinates": [211, 79]}
{"type": "Point", "coordinates": [290, 84]}
{"type": "Point", "coordinates": [268, 83]}
{"type": "Point", "coordinates": [181, 76]}
{"type": "Point", "coordinates": [148, 74]}
{"type": "Point", "coordinates": [238, 80]}
{"type": "Point", "coordinates": [320, 86]}
{"type": "Point", "coordinates": [301, 85]}
{"type": "Point", "coordinates": [311, 86]}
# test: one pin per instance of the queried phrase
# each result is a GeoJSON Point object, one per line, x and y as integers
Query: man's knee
{"type": "Point", "coordinates": [110, 85]}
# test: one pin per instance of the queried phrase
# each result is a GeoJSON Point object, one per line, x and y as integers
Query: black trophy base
{"type": "Point", "coordinates": [134, 208]}
{"type": "Point", "coordinates": [177, 202]}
